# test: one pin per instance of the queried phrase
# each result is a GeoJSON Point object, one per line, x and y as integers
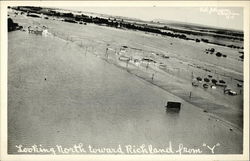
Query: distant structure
{"type": "Point", "coordinates": [38, 30]}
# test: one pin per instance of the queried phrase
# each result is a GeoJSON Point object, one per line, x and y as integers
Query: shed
{"type": "Point", "coordinates": [173, 106]}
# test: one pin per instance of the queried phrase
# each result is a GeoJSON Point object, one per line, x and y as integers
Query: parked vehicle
{"type": "Point", "coordinates": [148, 60]}
{"type": "Point", "coordinates": [230, 92]}
{"type": "Point", "coordinates": [205, 85]}
{"type": "Point", "coordinates": [239, 85]}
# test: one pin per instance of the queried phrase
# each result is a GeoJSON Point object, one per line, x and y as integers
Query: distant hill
{"type": "Point", "coordinates": [194, 25]}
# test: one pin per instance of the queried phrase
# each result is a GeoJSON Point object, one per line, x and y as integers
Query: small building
{"type": "Point", "coordinates": [173, 106]}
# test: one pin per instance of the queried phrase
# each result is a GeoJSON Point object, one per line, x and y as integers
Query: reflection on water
{"type": "Point", "coordinates": [172, 112]}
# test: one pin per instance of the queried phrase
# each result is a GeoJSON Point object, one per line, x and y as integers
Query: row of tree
{"type": "Point", "coordinates": [12, 26]}
{"type": "Point", "coordinates": [70, 17]}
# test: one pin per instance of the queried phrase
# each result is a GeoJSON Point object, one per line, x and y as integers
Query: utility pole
{"type": "Point", "coordinates": [147, 65]}
{"type": "Point", "coordinates": [106, 54]}
{"type": "Point", "coordinates": [190, 95]}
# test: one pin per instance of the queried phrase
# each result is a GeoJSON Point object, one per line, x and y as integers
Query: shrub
{"type": "Point", "coordinates": [11, 25]}
{"type": "Point", "coordinates": [218, 54]}
{"type": "Point", "coordinates": [212, 50]}
{"type": "Point", "coordinates": [70, 21]}
{"type": "Point", "coordinates": [204, 40]}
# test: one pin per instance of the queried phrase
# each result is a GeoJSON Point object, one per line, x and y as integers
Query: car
{"type": "Point", "coordinates": [205, 85]}
{"type": "Point", "coordinates": [232, 93]}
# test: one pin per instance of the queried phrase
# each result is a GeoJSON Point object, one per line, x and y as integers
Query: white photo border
{"type": "Point", "coordinates": [4, 39]}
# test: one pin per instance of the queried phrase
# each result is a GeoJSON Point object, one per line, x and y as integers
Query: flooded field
{"type": "Point", "coordinates": [70, 88]}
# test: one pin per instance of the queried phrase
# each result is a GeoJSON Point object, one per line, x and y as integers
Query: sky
{"type": "Point", "coordinates": [230, 17]}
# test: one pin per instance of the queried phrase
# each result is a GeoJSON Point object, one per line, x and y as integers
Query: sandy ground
{"type": "Point", "coordinates": [85, 99]}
